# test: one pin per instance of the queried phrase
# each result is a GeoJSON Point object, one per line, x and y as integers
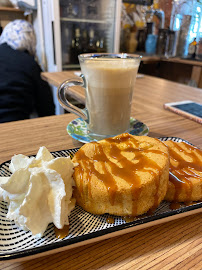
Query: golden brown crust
{"type": "Point", "coordinates": [126, 175]}
{"type": "Point", "coordinates": [186, 164]}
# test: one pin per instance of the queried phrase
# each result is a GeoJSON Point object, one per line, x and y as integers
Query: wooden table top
{"type": "Point", "coordinates": [155, 58]}
{"type": "Point", "coordinates": [172, 245]}
{"type": "Point", "coordinates": [183, 61]}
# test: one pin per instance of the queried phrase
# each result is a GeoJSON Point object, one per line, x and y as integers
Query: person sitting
{"type": "Point", "coordinates": [22, 91]}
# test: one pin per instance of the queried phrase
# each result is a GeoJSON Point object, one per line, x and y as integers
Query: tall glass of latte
{"type": "Point", "coordinates": [109, 82]}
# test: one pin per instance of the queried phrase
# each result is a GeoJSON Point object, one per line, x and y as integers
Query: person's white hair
{"type": "Point", "coordinates": [19, 35]}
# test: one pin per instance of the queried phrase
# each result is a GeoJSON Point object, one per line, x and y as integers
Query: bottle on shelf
{"type": "Point", "coordinates": [72, 9]}
{"type": "Point", "coordinates": [76, 46]}
{"type": "Point", "coordinates": [84, 41]}
{"type": "Point", "coordinates": [150, 44]}
{"type": "Point", "coordinates": [101, 44]}
{"type": "Point", "coordinates": [92, 41]}
{"type": "Point", "coordinates": [141, 36]}
{"type": "Point", "coordinates": [162, 42]}
{"type": "Point", "coordinates": [83, 10]}
{"type": "Point", "coordinates": [92, 9]}
{"type": "Point", "coordinates": [192, 49]}
{"type": "Point", "coordinates": [132, 43]}
{"type": "Point", "coordinates": [65, 44]}
{"type": "Point", "coordinates": [125, 36]}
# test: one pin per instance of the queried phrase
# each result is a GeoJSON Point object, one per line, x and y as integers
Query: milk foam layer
{"type": "Point", "coordinates": [110, 85]}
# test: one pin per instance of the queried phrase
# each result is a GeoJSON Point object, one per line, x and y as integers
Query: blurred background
{"type": "Point", "coordinates": [168, 33]}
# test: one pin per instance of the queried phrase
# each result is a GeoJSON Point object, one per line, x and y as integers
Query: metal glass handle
{"type": "Point", "coordinates": [62, 97]}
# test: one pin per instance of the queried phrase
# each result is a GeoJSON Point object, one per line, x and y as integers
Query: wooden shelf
{"type": "Point", "coordinates": [10, 9]}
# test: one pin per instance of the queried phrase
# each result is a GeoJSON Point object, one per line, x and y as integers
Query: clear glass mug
{"type": "Point", "coordinates": [109, 81]}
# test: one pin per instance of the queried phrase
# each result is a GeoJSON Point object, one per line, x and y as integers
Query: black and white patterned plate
{"type": "Point", "coordinates": [16, 244]}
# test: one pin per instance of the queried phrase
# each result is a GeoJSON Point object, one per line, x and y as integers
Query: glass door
{"type": "Point", "coordinates": [87, 26]}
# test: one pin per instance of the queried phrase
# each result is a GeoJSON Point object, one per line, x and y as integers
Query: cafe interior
{"type": "Point", "coordinates": [100, 134]}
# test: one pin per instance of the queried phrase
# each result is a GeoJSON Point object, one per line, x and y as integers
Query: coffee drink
{"type": "Point", "coordinates": [109, 81]}
{"type": "Point", "coordinates": [109, 88]}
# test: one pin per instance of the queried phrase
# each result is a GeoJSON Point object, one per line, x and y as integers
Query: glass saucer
{"type": "Point", "coordinates": [77, 129]}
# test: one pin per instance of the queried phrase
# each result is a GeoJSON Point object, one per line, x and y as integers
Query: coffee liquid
{"type": "Point", "coordinates": [109, 90]}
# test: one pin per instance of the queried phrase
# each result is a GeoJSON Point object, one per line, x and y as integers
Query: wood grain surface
{"type": "Point", "coordinates": [173, 245]}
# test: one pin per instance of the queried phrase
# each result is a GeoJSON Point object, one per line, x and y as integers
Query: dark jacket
{"type": "Point", "coordinates": [22, 91]}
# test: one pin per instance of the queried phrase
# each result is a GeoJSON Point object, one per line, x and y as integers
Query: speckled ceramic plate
{"type": "Point", "coordinates": [85, 228]}
{"type": "Point", "coordinates": [77, 129]}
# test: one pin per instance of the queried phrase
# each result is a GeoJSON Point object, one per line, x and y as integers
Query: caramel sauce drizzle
{"type": "Point", "coordinates": [129, 218]}
{"type": "Point", "coordinates": [183, 170]}
{"type": "Point", "coordinates": [175, 205]}
{"type": "Point", "coordinates": [62, 233]}
{"type": "Point", "coordinates": [122, 168]}
{"type": "Point", "coordinates": [89, 166]}
{"type": "Point", "coordinates": [110, 220]}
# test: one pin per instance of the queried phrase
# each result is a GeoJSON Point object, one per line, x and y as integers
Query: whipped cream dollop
{"type": "Point", "coordinates": [39, 191]}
